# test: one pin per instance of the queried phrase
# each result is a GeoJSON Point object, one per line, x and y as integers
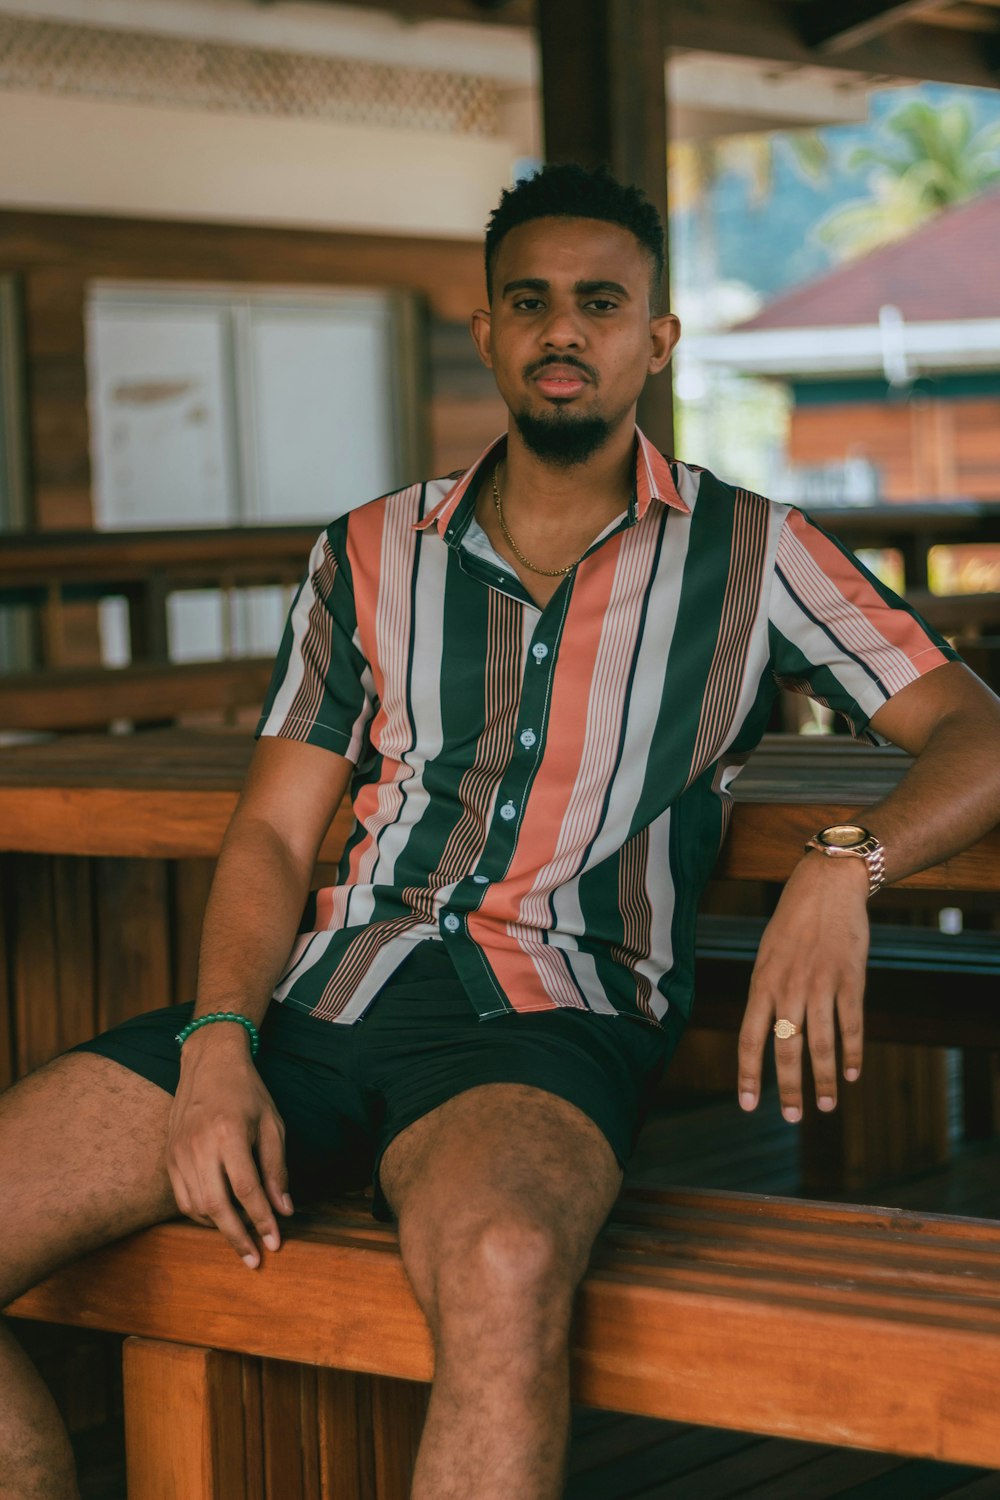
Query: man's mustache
{"type": "Point", "coordinates": [561, 359]}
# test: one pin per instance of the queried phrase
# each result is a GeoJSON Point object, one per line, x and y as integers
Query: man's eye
{"type": "Point", "coordinates": [528, 304]}
{"type": "Point", "coordinates": [602, 304]}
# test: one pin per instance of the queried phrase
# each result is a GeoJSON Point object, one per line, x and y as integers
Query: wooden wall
{"type": "Point", "coordinates": [925, 448]}
{"type": "Point", "coordinates": [57, 256]}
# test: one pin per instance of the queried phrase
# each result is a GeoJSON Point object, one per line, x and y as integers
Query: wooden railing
{"type": "Point", "coordinates": [48, 570]}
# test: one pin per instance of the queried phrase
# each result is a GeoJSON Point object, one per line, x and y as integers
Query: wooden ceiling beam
{"type": "Point", "coordinates": [496, 12]}
{"type": "Point", "coordinates": [834, 28]}
{"type": "Point", "coordinates": [769, 30]}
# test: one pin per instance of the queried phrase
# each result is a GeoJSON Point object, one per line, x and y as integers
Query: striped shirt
{"type": "Point", "coordinates": [546, 790]}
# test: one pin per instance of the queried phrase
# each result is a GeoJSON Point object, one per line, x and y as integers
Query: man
{"type": "Point", "coordinates": [538, 681]}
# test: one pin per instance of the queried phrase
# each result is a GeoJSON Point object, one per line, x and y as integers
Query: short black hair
{"type": "Point", "coordinates": [568, 191]}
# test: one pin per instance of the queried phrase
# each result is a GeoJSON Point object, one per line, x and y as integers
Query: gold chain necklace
{"type": "Point", "coordinates": [545, 572]}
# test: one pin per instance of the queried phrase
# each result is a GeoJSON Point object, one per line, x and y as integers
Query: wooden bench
{"type": "Point", "coordinates": [149, 693]}
{"type": "Point", "coordinates": [869, 1328]}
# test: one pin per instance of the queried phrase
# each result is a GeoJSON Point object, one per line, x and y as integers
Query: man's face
{"type": "Point", "coordinates": [569, 335]}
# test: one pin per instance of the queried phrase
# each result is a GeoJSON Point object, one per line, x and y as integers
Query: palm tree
{"type": "Point", "coordinates": [934, 158]}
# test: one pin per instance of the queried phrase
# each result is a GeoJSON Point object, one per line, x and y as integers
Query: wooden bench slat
{"type": "Point", "coordinates": [742, 1311]}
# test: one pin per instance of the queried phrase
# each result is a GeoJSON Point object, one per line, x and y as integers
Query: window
{"type": "Point", "coordinates": [224, 407]}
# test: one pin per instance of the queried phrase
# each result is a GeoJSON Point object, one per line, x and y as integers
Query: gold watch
{"type": "Point", "coordinates": [850, 840]}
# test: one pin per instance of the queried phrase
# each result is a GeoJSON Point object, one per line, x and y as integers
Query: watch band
{"type": "Point", "coordinates": [851, 841]}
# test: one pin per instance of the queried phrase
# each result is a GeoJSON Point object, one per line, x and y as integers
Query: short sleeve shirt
{"type": "Point", "coordinates": [546, 790]}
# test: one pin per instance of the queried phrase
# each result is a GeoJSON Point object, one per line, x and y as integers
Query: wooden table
{"type": "Point", "coordinates": [912, 529]}
{"type": "Point", "coordinates": [169, 795]}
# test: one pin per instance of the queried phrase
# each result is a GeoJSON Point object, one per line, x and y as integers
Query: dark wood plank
{"type": "Point", "coordinates": [52, 958]}
{"type": "Point", "coordinates": [189, 883]}
{"type": "Point", "coordinates": [251, 1372]}
{"type": "Point", "coordinates": [74, 940]}
{"type": "Point", "coordinates": [980, 1093]}
{"type": "Point", "coordinates": [599, 1438]}
{"type": "Point", "coordinates": [677, 1452]}
{"type": "Point", "coordinates": [857, 21]}
{"type": "Point", "coordinates": [133, 945]}
{"type": "Point", "coordinates": [398, 1411]}
{"type": "Point", "coordinates": [289, 1431]}
{"type": "Point", "coordinates": [764, 1460]}
{"type": "Point", "coordinates": [346, 1444]}
{"type": "Point", "coordinates": [770, 31]}
{"type": "Point", "coordinates": [889, 1124]}
{"type": "Point", "coordinates": [833, 1473]}
{"type": "Point", "coordinates": [88, 698]}
{"type": "Point", "coordinates": [94, 560]}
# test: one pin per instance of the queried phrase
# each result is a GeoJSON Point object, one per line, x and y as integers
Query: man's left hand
{"type": "Point", "coordinates": [810, 970]}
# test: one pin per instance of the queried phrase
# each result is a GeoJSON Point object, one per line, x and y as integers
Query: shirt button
{"type": "Point", "coordinates": [481, 879]}
{"type": "Point", "coordinates": [508, 811]}
{"type": "Point", "coordinates": [528, 738]}
{"type": "Point", "coordinates": [451, 922]}
{"type": "Point", "coordinates": [539, 651]}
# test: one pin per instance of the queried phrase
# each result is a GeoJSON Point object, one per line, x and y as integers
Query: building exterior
{"type": "Point", "coordinates": [893, 362]}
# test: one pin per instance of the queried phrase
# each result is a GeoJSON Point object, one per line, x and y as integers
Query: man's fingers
{"type": "Point", "coordinates": [273, 1170]}
{"type": "Point", "coordinates": [821, 1041]}
{"type": "Point", "coordinates": [850, 1017]}
{"type": "Point", "coordinates": [214, 1203]}
{"type": "Point", "coordinates": [241, 1170]}
{"type": "Point", "coordinates": [181, 1195]}
{"type": "Point", "coordinates": [788, 1061]}
{"type": "Point", "coordinates": [753, 1039]}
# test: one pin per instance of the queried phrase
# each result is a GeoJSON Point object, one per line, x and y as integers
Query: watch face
{"type": "Point", "coordinates": [843, 836]}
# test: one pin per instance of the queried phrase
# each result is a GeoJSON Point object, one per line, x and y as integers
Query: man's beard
{"type": "Point", "coordinates": [562, 440]}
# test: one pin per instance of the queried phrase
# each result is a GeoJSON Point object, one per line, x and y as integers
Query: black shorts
{"type": "Point", "coordinates": [344, 1091]}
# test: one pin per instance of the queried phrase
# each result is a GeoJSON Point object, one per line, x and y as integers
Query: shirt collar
{"type": "Point", "coordinates": [653, 481]}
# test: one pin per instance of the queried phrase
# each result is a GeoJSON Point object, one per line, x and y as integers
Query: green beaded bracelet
{"type": "Point", "coordinates": [221, 1015]}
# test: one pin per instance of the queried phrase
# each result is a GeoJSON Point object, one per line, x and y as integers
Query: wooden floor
{"type": "Point", "coordinates": [615, 1457]}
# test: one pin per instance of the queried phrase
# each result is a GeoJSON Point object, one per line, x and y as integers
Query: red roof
{"type": "Point", "coordinates": [944, 271]}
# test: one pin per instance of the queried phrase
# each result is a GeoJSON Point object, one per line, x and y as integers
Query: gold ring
{"type": "Point", "coordinates": [785, 1029]}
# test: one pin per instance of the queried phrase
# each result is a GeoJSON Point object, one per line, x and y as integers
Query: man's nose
{"type": "Point", "coordinates": [563, 329]}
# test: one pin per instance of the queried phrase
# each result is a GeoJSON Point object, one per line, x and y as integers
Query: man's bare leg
{"type": "Point", "coordinates": [499, 1195]}
{"type": "Point", "coordinates": [81, 1163]}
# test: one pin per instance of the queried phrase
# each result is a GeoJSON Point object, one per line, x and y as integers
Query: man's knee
{"type": "Point", "coordinates": [499, 1276]}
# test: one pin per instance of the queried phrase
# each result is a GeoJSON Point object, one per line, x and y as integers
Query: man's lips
{"type": "Point", "coordinates": [560, 380]}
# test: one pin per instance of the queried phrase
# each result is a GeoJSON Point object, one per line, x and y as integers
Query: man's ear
{"type": "Point", "coordinates": [479, 327]}
{"type": "Point", "coordinates": [664, 331]}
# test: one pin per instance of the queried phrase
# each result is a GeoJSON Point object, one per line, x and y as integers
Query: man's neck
{"type": "Point", "coordinates": [601, 487]}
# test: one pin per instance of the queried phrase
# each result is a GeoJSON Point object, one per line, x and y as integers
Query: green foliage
{"type": "Point", "coordinates": [932, 157]}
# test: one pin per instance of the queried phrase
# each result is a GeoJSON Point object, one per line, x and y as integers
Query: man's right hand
{"type": "Point", "coordinates": [226, 1142]}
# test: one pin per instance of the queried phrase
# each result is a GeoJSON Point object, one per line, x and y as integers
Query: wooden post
{"type": "Point", "coordinates": [184, 1434]}
{"type": "Point", "coordinates": [604, 103]}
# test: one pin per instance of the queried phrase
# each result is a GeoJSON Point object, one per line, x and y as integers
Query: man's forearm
{"type": "Point", "coordinates": [253, 914]}
{"type": "Point", "coordinates": [949, 798]}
